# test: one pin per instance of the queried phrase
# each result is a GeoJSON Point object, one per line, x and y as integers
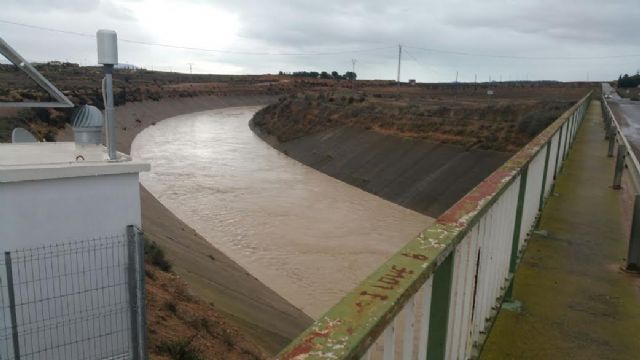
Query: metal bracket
{"type": "Point", "coordinates": [25, 66]}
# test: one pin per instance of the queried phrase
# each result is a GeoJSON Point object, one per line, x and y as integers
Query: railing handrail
{"type": "Point", "coordinates": [349, 328]}
{"type": "Point", "coordinates": [620, 135]}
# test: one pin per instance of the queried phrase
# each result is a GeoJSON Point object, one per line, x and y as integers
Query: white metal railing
{"type": "Point", "coordinates": [625, 159]}
{"type": "Point", "coordinates": [437, 297]}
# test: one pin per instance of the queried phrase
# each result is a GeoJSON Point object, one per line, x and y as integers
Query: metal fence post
{"type": "Point", "coordinates": [555, 167]}
{"type": "Point", "coordinates": [517, 228]}
{"type": "Point", "coordinates": [612, 142]}
{"type": "Point", "coordinates": [544, 174]}
{"type": "Point", "coordinates": [132, 284]}
{"type": "Point", "coordinates": [617, 176]}
{"type": "Point", "coordinates": [142, 325]}
{"type": "Point", "coordinates": [12, 306]}
{"type": "Point", "coordinates": [607, 121]}
{"type": "Point", "coordinates": [633, 256]}
{"type": "Point", "coordinates": [439, 311]}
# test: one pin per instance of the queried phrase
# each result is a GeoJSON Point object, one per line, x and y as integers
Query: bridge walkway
{"type": "Point", "coordinates": [576, 302]}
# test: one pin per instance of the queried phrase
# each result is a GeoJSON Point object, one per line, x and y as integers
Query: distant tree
{"type": "Point", "coordinates": [626, 81]}
{"type": "Point", "coordinates": [350, 75]}
{"type": "Point", "coordinates": [325, 75]}
{"type": "Point", "coordinates": [335, 75]}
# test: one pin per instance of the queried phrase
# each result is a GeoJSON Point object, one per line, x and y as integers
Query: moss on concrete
{"type": "Point", "coordinates": [577, 304]}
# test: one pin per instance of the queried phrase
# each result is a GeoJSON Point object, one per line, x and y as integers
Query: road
{"type": "Point", "coordinates": [627, 112]}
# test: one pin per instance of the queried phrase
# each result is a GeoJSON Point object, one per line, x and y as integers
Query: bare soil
{"type": "Point", "coordinates": [180, 324]}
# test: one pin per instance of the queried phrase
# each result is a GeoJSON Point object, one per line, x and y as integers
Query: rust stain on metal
{"type": "Point", "coordinates": [474, 201]}
{"type": "Point", "coordinates": [304, 347]}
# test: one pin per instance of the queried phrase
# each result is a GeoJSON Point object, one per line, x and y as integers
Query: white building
{"type": "Point", "coordinates": [46, 196]}
{"type": "Point", "coordinates": [67, 256]}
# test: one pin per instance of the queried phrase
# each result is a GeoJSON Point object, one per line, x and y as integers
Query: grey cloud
{"type": "Point", "coordinates": [519, 28]}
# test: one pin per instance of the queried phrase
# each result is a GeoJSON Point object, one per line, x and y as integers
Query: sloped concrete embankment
{"type": "Point", "coordinates": [424, 176]}
{"type": "Point", "coordinates": [257, 310]}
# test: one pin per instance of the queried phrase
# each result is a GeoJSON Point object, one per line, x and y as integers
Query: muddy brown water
{"type": "Point", "coordinates": [306, 235]}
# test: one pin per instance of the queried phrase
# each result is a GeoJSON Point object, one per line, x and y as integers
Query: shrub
{"type": "Point", "coordinates": [171, 307]}
{"type": "Point", "coordinates": [154, 253]}
{"type": "Point", "coordinates": [536, 121]}
{"type": "Point", "coordinates": [180, 349]}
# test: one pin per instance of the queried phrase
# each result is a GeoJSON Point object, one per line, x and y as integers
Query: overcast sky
{"type": "Point", "coordinates": [524, 29]}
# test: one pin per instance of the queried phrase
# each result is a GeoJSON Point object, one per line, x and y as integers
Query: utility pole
{"type": "Point", "coordinates": [353, 80]}
{"type": "Point", "coordinates": [190, 68]}
{"type": "Point", "coordinates": [399, 61]}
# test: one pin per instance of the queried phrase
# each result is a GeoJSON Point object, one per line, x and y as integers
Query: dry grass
{"type": "Point", "coordinates": [181, 327]}
{"type": "Point", "coordinates": [465, 117]}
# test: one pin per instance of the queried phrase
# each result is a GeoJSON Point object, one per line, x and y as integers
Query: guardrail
{"type": "Point", "coordinates": [625, 159]}
{"type": "Point", "coordinates": [437, 297]}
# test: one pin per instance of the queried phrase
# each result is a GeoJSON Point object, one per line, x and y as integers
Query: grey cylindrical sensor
{"type": "Point", "coordinates": [107, 47]}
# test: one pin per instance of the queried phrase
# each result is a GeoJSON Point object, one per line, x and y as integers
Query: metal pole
{"type": "Point", "coordinates": [399, 62]}
{"type": "Point", "coordinates": [108, 111]}
{"type": "Point", "coordinates": [607, 124]}
{"type": "Point", "coordinates": [132, 283]}
{"type": "Point", "coordinates": [633, 256]}
{"type": "Point", "coordinates": [617, 176]}
{"type": "Point", "coordinates": [517, 228]}
{"type": "Point", "coordinates": [141, 294]}
{"type": "Point", "coordinates": [12, 306]}
{"type": "Point", "coordinates": [353, 80]}
{"type": "Point", "coordinates": [612, 142]}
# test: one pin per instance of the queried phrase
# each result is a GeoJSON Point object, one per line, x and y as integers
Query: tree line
{"type": "Point", "coordinates": [334, 75]}
{"type": "Point", "coordinates": [626, 81]}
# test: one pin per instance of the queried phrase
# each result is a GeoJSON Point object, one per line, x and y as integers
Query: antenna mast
{"type": "Point", "coordinates": [353, 79]}
{"type": "Point", "coordinates": [399, 61]}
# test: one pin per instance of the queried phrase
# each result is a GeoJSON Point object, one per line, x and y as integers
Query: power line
{"type": "Point", "coordinates": [234, 52]}
{"type": "Point", "coordinates": [462, 53]}
{"type": "Point", "coordinates": [335, 52]}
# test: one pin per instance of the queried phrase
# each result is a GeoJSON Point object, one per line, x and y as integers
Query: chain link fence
{"type": "Point", "coordinates": [74, 300]}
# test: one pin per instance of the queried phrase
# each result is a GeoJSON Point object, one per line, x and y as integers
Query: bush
{"type": "Point", "coordinates": [534, 122]}
{"type": "Point", "coordinates": [179, 350]}
{"type": "Point", "coordinates": [171, 307]}
{"type": "Point", "coordinates": [154, 253]}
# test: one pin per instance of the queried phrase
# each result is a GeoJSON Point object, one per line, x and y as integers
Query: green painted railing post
{"type": "Point", "coordinates": [517, 228]}
{"type": "Point", "coordinates": [555, 168]}
{"type": "Point", "coordinates": [439, 312]}
{"type": "Point", "coordinates": [565, 146]}
{"type": "Point", "coordinates": [544, 174]}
